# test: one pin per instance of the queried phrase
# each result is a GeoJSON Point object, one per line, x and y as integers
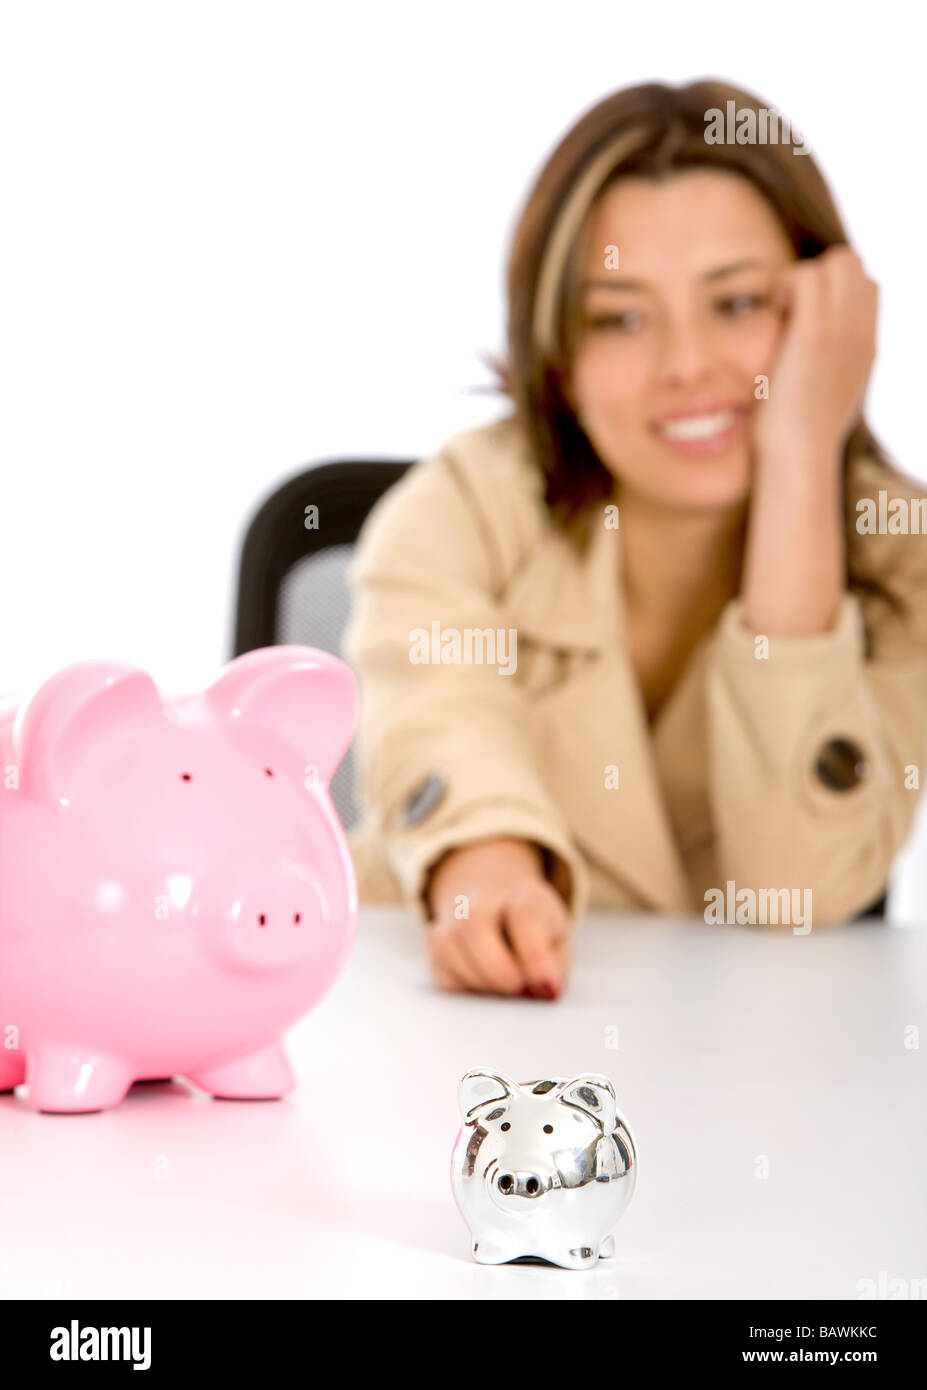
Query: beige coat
{"type": "Point", "coordinates": [723, 787]}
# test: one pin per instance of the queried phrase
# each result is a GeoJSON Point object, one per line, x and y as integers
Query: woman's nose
{"type": "Point", "coordinates": [684, 354]}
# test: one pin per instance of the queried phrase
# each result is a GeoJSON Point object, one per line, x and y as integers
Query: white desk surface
{"type": "Point", "coordinates": [734, 1043]}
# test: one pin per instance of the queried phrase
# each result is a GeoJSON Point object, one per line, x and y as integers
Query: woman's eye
{"type": "Point", "coordinates": [614, 320]}
{"type": "Point", "coordinates": [737, 304]}
{"type": "Point", "coordinates": [732, 306]}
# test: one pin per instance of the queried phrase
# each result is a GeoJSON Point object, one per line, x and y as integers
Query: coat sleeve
{"type": "Point", "coordinates": [816, 751]}
{"type": "Point", "coordinates": [441, 750]}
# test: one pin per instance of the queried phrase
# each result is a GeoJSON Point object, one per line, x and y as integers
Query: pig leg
{"type": "Point", "coordinates": [262, 1075]}
{"type": "Point", "coordinates": [12, 1069]}
{"type": "Point", "coordinates": [579, 1257]}
{"type": "Point", "coordinates": [489, 1252]}
{"type": "Point", "coordinates": [66, 1080]}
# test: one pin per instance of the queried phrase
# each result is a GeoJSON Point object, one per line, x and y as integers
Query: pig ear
{"type": "Point", "coordinates": [593, 1093]}
{"type": "Point", "coordinates": [308, 697]}
{"type": "Point", "coordinates": [481, 1086]}
{"type": "Point", "coordinates": [78, 707]}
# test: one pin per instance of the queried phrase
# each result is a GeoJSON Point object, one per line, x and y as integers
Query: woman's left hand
{"type": "Point", "coordinates": [818, 380]}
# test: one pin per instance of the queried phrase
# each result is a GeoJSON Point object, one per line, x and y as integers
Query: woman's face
{"type": "Point", "coordinates": [672, 341]}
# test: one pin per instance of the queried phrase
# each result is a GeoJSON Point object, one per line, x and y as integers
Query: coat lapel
{"type": "Point", "coordinates": [596, 718]}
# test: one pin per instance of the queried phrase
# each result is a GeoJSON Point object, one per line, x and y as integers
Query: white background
{"type": "Point", "coordinates": [240, 237]}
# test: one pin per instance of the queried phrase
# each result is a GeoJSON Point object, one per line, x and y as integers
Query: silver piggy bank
{"type": "Point", "coordinates": [542, 1169]}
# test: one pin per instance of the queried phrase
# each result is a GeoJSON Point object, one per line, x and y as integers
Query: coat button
{"type": "Point", "coordinates": [841, 765]}
{"type": "Point", "coordinates": [424, 799]}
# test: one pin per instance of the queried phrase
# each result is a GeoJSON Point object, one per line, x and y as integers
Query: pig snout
{"type": "Point", "coordinates": [521, 1184]}
{"type": "Point", "coordinates": [278, 918]}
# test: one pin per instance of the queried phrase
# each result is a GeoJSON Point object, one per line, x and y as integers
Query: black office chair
{"type": "Point", "coordinates": [291, 578]}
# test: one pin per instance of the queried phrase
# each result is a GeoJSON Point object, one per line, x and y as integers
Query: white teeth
{"type": "Point", "coordinates": [697, 426]}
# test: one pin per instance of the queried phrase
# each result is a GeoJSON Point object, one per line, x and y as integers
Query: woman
{"type": "Point", "coordinates": [638, 644]}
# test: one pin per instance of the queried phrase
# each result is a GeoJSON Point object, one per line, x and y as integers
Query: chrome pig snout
{"type": "Point", "coordinates": [522, 1184]}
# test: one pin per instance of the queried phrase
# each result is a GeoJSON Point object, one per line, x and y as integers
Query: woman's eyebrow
{"type": "Point", "coordinates": [737, 265]}
{"type": "Point", "coordinates": [616, 283]}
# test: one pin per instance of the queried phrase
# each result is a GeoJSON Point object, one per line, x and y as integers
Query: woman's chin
{"type": "Point", "coordinates": [715, 494]}
{"type": "Point", "coordinates": [663, 476]}
{"type": "Point", "coordinates": [699, 484]}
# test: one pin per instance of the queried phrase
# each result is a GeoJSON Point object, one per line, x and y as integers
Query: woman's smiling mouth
{"type": "Point", "coordinates": [700, 432]}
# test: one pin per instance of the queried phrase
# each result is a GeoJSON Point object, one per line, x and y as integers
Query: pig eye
{"type": "Point", "coordinates": [297, 918]}
{"type": "Point", "coordinates": [505, 1125]}
{"type": "Point", "coordinates": [548, 1129]}
{"type": "Point", "coordinates": [186, 777]}
{"type": "Point", "coordinates": [269, 771]}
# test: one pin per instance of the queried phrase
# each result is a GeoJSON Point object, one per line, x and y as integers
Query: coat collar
{"type": "Point", "coordinates": [569, 600]}
{"type": "Point", "coordinates": [574, 602]}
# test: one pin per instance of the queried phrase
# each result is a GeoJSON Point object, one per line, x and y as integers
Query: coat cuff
{"type": "Point", "coordinates": [740, 642]}
{"type": "Point", "coordinates": [413, 855]}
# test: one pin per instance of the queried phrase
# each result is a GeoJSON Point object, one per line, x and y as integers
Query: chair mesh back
{"type": "Point", "coordinates": [312, 609]}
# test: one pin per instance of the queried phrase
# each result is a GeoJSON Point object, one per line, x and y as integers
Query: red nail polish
{"type": "Point", "coordinates": [526, 994]}
{"type": "Point", "coordinates": [547, 990]}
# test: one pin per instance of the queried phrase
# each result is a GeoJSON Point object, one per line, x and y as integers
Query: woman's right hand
{"type": "Point", "coordinates": [515, 937]}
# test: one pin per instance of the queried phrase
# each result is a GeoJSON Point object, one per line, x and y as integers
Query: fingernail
{"type": "Point", "coordinates": [526, 994]}
{"type": "Point", "coordinates": [547, 990]}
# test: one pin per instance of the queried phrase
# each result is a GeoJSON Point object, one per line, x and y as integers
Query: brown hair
{"type": "Point", "coordinates": [652, 130]}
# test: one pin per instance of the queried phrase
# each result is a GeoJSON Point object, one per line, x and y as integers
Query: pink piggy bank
{"type": "Point", "coordinates": [175, 886]}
